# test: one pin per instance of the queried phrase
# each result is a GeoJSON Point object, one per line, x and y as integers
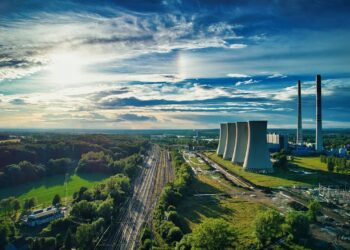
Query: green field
{"type": "Point", "coordinates": [289, 177]}
{"type": "Point", "coordinates": [310, 162]}
{"type": "Point", "coordinates": [45, 189]}
{"type": "Point", "coordinates": [241, 213]}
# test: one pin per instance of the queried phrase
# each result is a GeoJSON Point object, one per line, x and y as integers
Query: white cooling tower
{"type": "Point", "coordinates": [222, 139]}
{"type": "Point", "coordinates": [257, 157]}
{"type": "Point", "coordinates": [230, 141]}
{"type": "Point", "coordinates": [241, 142]}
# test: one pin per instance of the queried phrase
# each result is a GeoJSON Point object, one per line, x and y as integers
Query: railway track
{"type": "Point", "coordinates": [238, 181]}
{"type": "Point", "coordinates": [137, 209]}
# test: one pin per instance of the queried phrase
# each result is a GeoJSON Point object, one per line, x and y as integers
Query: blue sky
{"type": "Point", "coordinates": [171, 64]}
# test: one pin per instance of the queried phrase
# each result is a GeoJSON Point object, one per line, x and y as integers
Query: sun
{"type": "Point", "coordinates": [66, 68]}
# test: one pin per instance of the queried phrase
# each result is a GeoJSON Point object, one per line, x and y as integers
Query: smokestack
{"type": "Point", "coordinates": [319, 141]}
{"type": "Point", "coordinates": [300, 129]}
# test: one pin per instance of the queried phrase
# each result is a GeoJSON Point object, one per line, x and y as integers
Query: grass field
{"type": "Point", "coordinates": [292, 176]}
{"type": "Point", "coordinates": [310, 162]}
{"type": "Point", "coordinates": [45, 189]}
{"type": "Point", "coordinates": [241, 213]}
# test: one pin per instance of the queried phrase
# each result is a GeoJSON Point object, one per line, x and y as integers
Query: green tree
{"type": "Point", "coordinates": [214, 234]}
{"type": "Point", "coordinates": [330, 164]}
{"type": "Point", "coordinates": [16, 205]}
{"type": "Point", "coordinates": [174, 234]}
{"type": "Point", "coordinates": [29, 203]}
{"type": "Point", "coordinates": [56, 200]}
{"type": "Point", "coordinates": [314, 208]}
{"type": "Point", "coordinates": [185, 243]}
{"type": "Point", "coordinates": [296, 225]}
{"type": "Point", "coordinates": [68, 240]}
{"type": "Point", "coordinates": [4, 235]}
{"type": "Point", "coordinates": [84, 236]}
{"type": "Point", "coordinates": [268, 226]}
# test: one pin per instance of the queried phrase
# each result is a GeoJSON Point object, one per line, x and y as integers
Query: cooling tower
{"type": "Point", "coordinates": [257, 156]}
{"type": "Point", "coordinates": [222, 139]}
{"type": "Point", "coordinates": [300, 128]}
{"type": "Point", "coordinates": [230, 141]}
{"type": "Point", "coordinates": [319, 141]}
{"type": "Point", "coordinates": [241, 142]}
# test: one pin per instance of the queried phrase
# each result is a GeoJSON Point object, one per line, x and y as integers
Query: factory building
{"type": "Point", "coordinates": [222, 139]}
{"type": "Point", "coordinates": [276, 142]}
{"type": "Point", "coordinates": [230, 141]}
{"type": "Point", "coordinates": [246, 144]}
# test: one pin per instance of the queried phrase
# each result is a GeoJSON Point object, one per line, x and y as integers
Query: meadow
{"type": "Point", "coordinates": [240, 212]}
{"type": "Point", "coordinates": [302, 171]}
{"type": "Point", "coordinates": [45, 189]}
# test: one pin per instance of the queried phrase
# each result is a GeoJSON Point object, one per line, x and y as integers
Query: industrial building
{"type": "Point", "coordinates": [230, 141]}
{"type": "Point", "coordinates": [257, 157]}
{"type": "Point", "coordinates": [246, 145]}
{"type": "Point", "coordinates": [43, 216]}
{"type": "Point", "coordinates": [276, 142]}
{"type": "Point", "coordinates": [300, 149]}
{"type": "Point", "coordinates": [241, 143]}
{"type": "Point", "coordinates": [222, 140]}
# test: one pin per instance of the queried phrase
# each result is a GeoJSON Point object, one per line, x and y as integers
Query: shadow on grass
{"type": "Point", "coordinates": [47, 182]}
{"type": "Point", "coordinates": [193, 209]}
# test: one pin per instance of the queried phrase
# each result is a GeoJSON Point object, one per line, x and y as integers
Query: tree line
{"type": "Point", "coordinates": [336, 164]}
{"type": "Point", "coordinates": [43, 156]}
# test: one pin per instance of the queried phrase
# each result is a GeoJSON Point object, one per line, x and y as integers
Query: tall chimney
{"type": "Point", "coordinates": [300, 128]}
{"type": "Point", "coordinates": [319, 141]}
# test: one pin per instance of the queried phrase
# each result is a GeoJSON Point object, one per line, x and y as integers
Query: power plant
{"type": "Point", "coordinates": [319, 140]}
{"type": "Point", "coordinates": [222, 139]}
{"type": "Point", "coordinates": [246, 145]}
{"type": "Point", "coordinates": [230, 140]}
{"type": "Point", "coordinates": [300, 128]}
{"type": "Point", "coordinates": [318, 137]}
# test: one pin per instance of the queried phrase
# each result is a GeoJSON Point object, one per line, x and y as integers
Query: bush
{"type": "Point", "coordinates": [296, 225]}
{"type": "Point", "coordinates": [214, 234]}
{"type": "Point", "coordinates": [268, 226]}
{"type": "Point", "coordinates": [174, 234]}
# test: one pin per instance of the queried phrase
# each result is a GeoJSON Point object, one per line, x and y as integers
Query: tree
{"type": "Point", "coordinates": [84, 236]}
{"type": "Point", "coordinates": [314, 208]}
{"type": "Point", "coordinates": [68, 240]}
{"type": "Point", "coordinates": [174, 234]}
{"type": "Point", "coordinates": [4, 235]}
{"type": "Point", "coordinates": [214, 234]}
{"type": "Point", "coordinates": [296, 225]}
{"type": "Point", "coordinates": [174, 217]}
{"type": "Point", "coordinates": [16, 205]}
{"type": "Point", "coordinates": [29, 203]}
{"type": "Point", "coordinates": [268, 226]}
{"type": "Point", "coordinates": [330, 164]}
{"type": "Point", "coordinates": [56, 200]}
{"type": "Point", "coordinates": [185, 243]}
{"type": "Point", "coordinates": [84, 210]}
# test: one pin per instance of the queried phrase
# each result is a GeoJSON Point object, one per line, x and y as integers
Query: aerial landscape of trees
{"type": "Point", "coordinates": [39, 156]}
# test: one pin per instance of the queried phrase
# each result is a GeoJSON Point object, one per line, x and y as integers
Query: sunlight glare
{"type": "Point", "coordinates": [66, 68]}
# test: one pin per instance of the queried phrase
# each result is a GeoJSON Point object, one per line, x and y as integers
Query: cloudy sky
{"type": "Point", "coordinates": [171, 64]}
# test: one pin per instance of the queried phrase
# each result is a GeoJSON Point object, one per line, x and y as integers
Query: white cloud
{"type": "Point", "coordinates": [237, 46]}
{"type": "Point", "coordinates": [277, 75]}
{"type": "Point", "coordinates": [237, 75]}
{"type": "Point", "coordinates": [250, 81]}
